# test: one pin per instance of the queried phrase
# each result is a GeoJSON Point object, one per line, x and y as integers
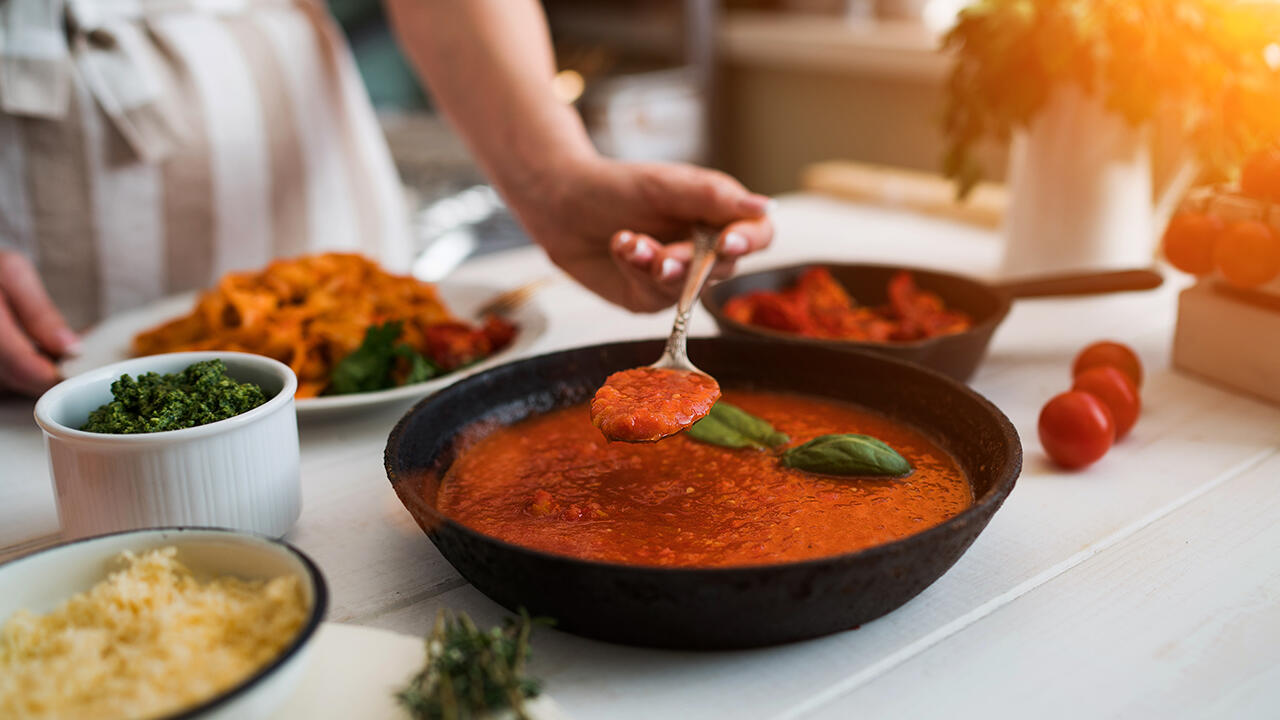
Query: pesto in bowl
{"type": "Point", "coordinates": [198, 395]}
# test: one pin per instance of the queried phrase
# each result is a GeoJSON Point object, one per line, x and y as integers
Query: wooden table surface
{"type": "Point", "coordinates": [1147, 586]}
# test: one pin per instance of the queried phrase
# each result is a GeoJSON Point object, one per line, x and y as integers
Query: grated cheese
{"type": "Point", "coordinates": [147, 641]}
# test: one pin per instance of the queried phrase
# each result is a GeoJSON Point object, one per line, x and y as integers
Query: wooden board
{"type": "Point", "coordinates": [1179, 614]}
{"type": "Point", "coordinates": [1228, 340]}
{"type": "Point", "coordinates": [899, 188]}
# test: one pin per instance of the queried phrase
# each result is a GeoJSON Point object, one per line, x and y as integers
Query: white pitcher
{"type": "Point", "coordinates": [1081, 191]}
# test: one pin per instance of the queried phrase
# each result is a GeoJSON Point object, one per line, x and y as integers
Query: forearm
{"type": "Point", "coordinates": [619, 228]}
{"type": "Point", "coordinates": [490, 65]}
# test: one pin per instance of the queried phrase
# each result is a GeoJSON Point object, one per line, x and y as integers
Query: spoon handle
{"type": "Point", "coordinates": [704, 256]}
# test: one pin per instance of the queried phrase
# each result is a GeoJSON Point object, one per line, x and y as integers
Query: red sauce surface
{"type": "Point", "coordinates": [553, 483]}
{"type": "Point", "coordinates": [647, 404]}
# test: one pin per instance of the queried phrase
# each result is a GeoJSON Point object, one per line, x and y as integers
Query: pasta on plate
{"type": "Point", "coordinates": [313, 312]}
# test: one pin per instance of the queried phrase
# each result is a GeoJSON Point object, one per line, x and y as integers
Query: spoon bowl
{"type": "Point", "coordinates": [640, 405]}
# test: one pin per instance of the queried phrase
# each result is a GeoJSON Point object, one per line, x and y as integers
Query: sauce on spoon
{"type": "Point", "coordinates": [646, 404]}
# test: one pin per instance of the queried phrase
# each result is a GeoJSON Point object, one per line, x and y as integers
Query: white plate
{"type": "Point", "coordinates": [111, 340]}
{"type": "Point", "coordinates": [355, 672]}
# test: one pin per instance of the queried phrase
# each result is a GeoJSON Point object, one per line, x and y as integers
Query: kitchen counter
{"type": "Point", "coordinates": [1146, 586]}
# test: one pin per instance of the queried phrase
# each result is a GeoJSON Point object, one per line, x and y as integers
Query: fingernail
{"type": "Point", "coordinates": [734, 243]}
{"type": "Point", "coordinates": [755, 204]}
{"type": "Point", "coordinates": [641, 253]}
{"type": "Point", "coordinates": [671, 269]}
{"type": "Point", "coordinates": [69, 341]}
{"type": "Point", "coordinates": [771, 207]}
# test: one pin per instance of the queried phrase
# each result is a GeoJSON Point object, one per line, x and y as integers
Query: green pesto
{"type": "Point", "coordinates": [199, 395]}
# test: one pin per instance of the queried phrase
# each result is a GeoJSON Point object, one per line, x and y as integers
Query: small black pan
{"type": "Point", "coordinates": [705, 608]}
{"type": "Point", "coordinates": [956, 355]}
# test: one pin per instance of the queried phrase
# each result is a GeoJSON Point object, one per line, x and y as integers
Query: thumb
{"type": "Point", "coordinates": [693, 194]}
{"type": "Point", "coordinates": [32, 307]}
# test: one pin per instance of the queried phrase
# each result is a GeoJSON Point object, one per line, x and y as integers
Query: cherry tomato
{"type": "Point", "coordinates": [1260, 177]}
{"type": "Point", "coordinates": [1076, 429]}
{"type": "Point", "coordinates": [1116, 391]}
{"type": "Point", "coordinates": [1109, 354]}
{"type": "Point", "coordinates": [1247, 254]}
{"type": "Point", "coordinates": [1189, 241]}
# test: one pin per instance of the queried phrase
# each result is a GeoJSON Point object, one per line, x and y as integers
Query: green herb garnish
{"type": "Point", "coordinates": [420, 368]}
{"type": "Point", "coordinates": [470, 673]}
{"type": "Point", "coordinates": [199, 395]}
{"type": "Point", "coordinates": [846, 454]}
{"type": "Point", "coordinates": [731, 426]}
{"type": "Point", "coordinates": [372, 366]}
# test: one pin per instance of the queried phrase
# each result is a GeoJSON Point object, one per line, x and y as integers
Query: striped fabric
{"type": "Point", "coordinates": [149, 146]}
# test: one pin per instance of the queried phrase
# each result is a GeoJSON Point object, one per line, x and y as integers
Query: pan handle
{"type": "Point", "coordinates": [1089, 283]}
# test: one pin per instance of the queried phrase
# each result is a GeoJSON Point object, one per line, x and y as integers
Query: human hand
{"type": "Point", "coordinates": [32, 331]}
{"type": "Point", "coordinates": [621, 228]}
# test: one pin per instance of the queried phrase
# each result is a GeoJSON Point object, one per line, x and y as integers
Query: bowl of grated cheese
{"type": "Point", "coordinates": [163, 623]}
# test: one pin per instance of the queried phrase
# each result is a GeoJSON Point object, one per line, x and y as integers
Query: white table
{"type": "Point", "coordinates": [1147, 586]}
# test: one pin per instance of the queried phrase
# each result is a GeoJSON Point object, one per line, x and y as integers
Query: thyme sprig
{"type": "Point", "coordinates": [471, 673]}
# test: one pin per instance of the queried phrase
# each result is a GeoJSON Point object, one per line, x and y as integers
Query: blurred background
{"type": "Point", "coordinates": [762, 89]}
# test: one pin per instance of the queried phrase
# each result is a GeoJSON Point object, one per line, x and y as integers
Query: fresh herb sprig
{"type": "Point", "coordinates": [471, 673]}
{"type": "Point", "coordinates": [372, 365]}
{"type": "Point", "coordinates": [848, 454]}
{"type": "Point", "coordinates": [1201, 64]}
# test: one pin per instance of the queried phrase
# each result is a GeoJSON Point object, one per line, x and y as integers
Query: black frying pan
{"type": "Point", "coordinates": [956, 355]}
{"type": "Point", "coordinates": [713, 607]}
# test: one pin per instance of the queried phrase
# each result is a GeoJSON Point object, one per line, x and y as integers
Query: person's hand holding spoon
{"type": "Point", "coordinates": [646, 404]}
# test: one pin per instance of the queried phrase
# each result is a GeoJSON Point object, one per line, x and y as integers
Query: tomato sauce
{"type": "Point", "coordinates": [647, 404]}
{"type": "Point", "coordinates": [819, 306]}
{"type": "Point", "coordinates": [553, 483]}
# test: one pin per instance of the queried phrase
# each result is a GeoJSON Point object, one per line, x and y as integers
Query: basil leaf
{"type": "Point", "coordinates": [712, 432]}
{"type": "Point", "coordinates": [748, 425]}
{"type": "Point", "coordinates": [732, 427]}
{"type": "Point", "coordinates": [368, 367]}
{"type": "Point", "coordinates": [420, 368]}
{"type": "Point", "coordinates": [848, 454]}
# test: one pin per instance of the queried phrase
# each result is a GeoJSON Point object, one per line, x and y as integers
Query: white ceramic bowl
{"type": "Point", "coordinates": [239, 473]}
{"type": "Point", "coordinates": [42, 581]}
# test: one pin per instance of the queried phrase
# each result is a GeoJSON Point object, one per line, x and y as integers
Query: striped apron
{"type": "Point", "coordinates": [149, 146]}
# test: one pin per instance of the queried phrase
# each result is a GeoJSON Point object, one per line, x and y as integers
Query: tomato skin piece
{"type": "Point", "coordinates": [1247, 254]}
{"type": "Point", "coordinates": [1117, 391]}
{"type": "Point", "coordinates": [1076, 429]}
{"type": "Point", "coordinates": [1109, 353]}
{"type": "Point", "coordinates": [1190, 240]}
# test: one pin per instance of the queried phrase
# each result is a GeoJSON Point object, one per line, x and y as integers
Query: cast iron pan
{"type": "Point", "coordinates": [714, 607]}
{"type": "Point", "coordinates": [955, 355]}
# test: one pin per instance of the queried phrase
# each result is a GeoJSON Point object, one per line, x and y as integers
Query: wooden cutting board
{"type": "Point", "coordinates": [1229, 338]}
{"type": "Point", "coordinates": [913, 190]}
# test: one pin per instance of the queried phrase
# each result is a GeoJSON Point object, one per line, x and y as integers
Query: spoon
{"type": "Point", "coordinates": [649, 403]}
{"type": "Point", "coordinates": [675, 356]}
